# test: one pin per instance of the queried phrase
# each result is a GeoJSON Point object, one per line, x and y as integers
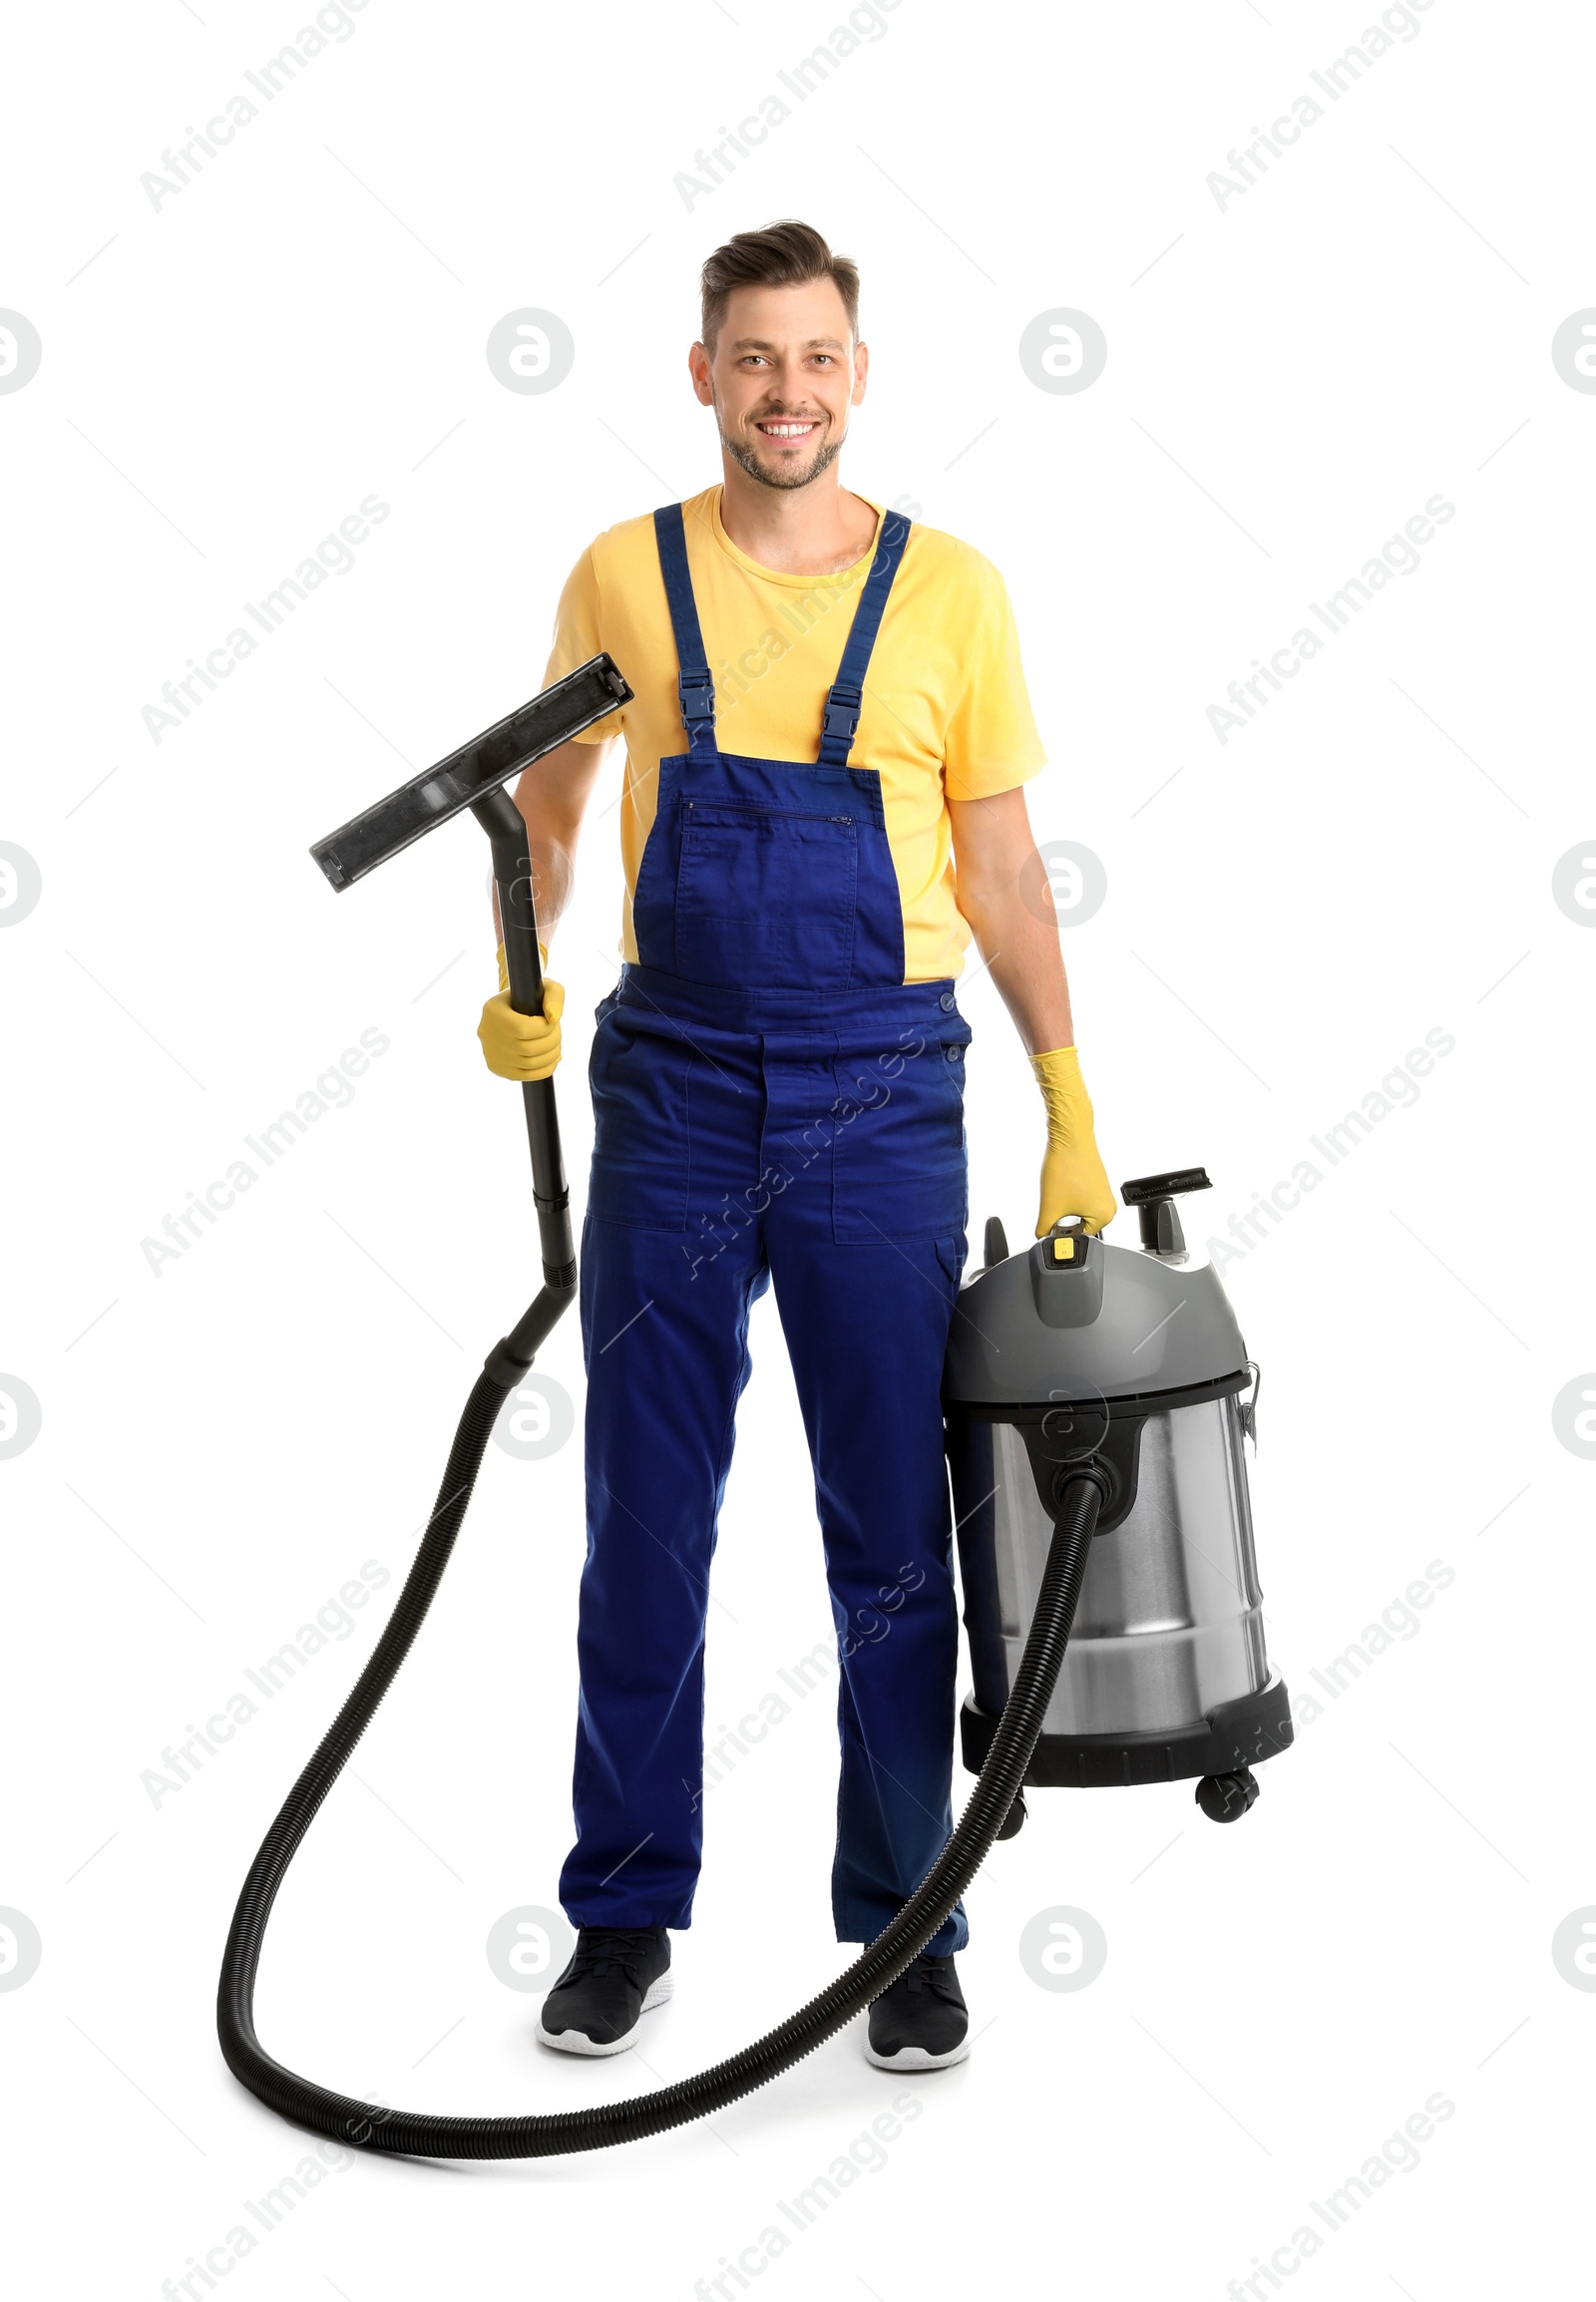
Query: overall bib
{"type": "Point", "coordinates": [771, 1103]}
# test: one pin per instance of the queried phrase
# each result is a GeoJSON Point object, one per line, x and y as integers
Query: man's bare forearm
{"type": "Point", "coordinates": [552, 797]}
{"type": "Point", "coordinates": [1002, 892]}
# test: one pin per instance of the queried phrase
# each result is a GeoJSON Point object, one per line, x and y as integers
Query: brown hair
{"type": "Point", "coordinates": [785, 254]}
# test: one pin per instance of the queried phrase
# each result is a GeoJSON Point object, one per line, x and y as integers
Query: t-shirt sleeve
{"type": "Point", "coordinates": [579, 638]}
{"type": "Point", "coordinates": [991, 742]}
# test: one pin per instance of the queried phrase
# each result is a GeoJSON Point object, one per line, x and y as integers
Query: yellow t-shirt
{"type": "Point", "coordinates": [944, 710]}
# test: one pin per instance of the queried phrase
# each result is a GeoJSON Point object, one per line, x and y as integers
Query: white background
{"type": "Point", "coordinates": [1289, 379]}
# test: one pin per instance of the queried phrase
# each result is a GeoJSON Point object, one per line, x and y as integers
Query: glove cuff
{"type": "Point", "coordinates": [504, 971]}
{"type": "Point", "coordinates": [1063, 1091]}
{"type": "Point", "coordinates": [1060, 1066]}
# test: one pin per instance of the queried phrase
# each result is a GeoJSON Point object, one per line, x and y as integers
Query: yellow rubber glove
{"type": "Point", "coordinates": [1074, 1181]}
{"type": "Point", "coordinates": [521, 1046]}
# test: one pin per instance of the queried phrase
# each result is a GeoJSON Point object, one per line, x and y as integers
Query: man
{"type": "Point", "coordinates": [822, 804]}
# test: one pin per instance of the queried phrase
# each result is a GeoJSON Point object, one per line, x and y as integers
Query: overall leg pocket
{"type": "Point", "coordinates": [641, 1144]}
{"type": "Point", "coordinates": [899, 1167]}
{"type": "Point", "coordinates": [952, 1251]}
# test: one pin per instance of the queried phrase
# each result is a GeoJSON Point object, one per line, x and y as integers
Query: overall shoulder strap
{"type": "Point", "coordinates": [694, 685]}
{"type": "Point", "coordinates": [846, 698]}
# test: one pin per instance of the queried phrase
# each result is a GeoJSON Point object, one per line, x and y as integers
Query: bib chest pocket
{"type": "Point", "coordinates": [766, 897]}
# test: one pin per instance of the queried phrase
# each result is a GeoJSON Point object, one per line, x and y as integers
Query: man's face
{"type": "Point", "coordinates": [784, 374]}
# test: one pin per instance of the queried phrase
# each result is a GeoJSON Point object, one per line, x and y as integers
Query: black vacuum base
{"type": "Point", "coordinates": [1231, 1738]}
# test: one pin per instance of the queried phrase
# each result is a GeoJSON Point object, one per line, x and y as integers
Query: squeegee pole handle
{"type": "Point", "coordinates": [505, 827]}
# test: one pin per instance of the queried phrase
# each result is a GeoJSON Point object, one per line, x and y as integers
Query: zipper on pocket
{"type": "Point", "coordinates": [796, 814]}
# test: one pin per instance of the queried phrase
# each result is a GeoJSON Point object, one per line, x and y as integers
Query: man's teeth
{"type": "Point", "coordinates": [786, 431]}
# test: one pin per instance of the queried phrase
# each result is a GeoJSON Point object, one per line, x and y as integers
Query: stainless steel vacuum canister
{"type": "Point", "coordinates": [1131, 1359]}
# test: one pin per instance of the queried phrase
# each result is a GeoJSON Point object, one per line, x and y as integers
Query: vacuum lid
{"type": "Point", "coordinates": [1074, 1317]}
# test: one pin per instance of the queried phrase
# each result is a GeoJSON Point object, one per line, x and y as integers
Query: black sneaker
{"type": "Point", "coordinates": [617, 1974]}
{"type": "Point", "coordinates": [920, 2022]}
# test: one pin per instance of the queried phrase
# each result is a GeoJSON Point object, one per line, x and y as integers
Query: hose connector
{"type": "Point", "coordinates": [510, 1356]}
{"type": "Point", "coordinates": [1091, 1467]}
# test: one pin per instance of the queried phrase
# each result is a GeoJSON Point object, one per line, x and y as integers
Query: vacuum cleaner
{"type": "Point", "coordinates": [1094, 1413]}
{"type": "Point", "coordinates": [1078, 1351]}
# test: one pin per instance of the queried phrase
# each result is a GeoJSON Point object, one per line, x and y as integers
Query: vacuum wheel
{"type": "Point", "coordinates": [1226, 1797]}
{"type": "Point", "coordinates": [1015, 1819]}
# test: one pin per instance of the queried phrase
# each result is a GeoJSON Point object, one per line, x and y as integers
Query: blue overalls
{"type": "Point", "coordinates": [771, 1102]}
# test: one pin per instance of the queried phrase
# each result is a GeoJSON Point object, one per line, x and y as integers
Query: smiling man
{"type": "Point", "coordinates": [822, 805]}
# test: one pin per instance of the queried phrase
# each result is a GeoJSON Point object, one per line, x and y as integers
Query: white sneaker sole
{"type": "Point", "coordinates": [578, 2043]}
{"type": "Point", "coordinates": [916, 2057]}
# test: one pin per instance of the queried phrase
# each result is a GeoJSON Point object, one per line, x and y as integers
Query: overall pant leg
{"type": "Point", "coordinates": [666, 1339]}
{"type": "Point", "coordinates": [864, 1251]}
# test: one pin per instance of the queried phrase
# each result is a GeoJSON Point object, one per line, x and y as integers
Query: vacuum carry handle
{"type": "Point", "coordinates": [1143, 1190]}
{"type": "Point", "coordinates": [1153, 1197]}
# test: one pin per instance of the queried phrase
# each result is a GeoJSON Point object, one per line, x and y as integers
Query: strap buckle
{"type": "Point", "coordinates": [841, 717]}
{"type": "Point", "coordinates": [697, 690]}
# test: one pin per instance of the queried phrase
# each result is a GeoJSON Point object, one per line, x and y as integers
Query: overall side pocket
{"type": "Point", "coordinates": [640, 1139]}
{"type": "Point", "coordinates": [899, 1166]}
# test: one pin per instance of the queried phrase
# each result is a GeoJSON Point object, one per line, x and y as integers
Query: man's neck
{"type": "Point", "coordinates": [813, 531]}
